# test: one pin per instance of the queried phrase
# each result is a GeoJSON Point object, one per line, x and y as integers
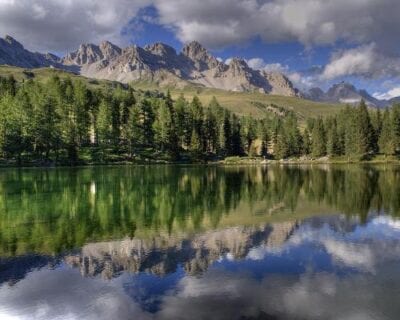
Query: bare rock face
{"type": "Point", "coordinates": [158, 63]}
{"type": "Point", "coordinates": [280, 84]}
{"type": "Point", "coordinates": [199, 55]}
{"type": "Point", "coordinates": [13, 53]}
{"type": "Point", "coordinates": [161, 50]}
{"type": "Point", "coordinates": [86, 54]}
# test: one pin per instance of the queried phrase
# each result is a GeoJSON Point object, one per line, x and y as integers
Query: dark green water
{"type": "Point", "coordinates": [320, 242]}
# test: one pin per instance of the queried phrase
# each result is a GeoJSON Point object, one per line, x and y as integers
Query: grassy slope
{"type": "Point", "coordinates": [255, 104]}
{"type": "Point", "coordinates": [43, 74]}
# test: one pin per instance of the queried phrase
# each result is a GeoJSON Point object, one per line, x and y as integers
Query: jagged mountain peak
{"type": "Point", "coordinates": [11, 41]}
{"type": "Point", "coordinates": [157, 62]}
{"type": "Point", "coordinates": [238, 62]}
{"type": "Point", "coordinates": [195, 51]}
{"type": "Point", "coordinates": [13, 53]}
{"type": "Point", "coordinates": [160, 49]}
{"type": "Point", "coordinates": [344, 92]}
{"type": "Point", "coordinates": [201, 58]}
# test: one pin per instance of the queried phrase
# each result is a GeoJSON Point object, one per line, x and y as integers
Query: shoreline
{"type": "Point", "coordinates": [233, 161]}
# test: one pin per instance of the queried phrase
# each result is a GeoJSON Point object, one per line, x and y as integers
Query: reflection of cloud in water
{"type": "Point", "coordinates": [218, 295]}
{"type": "Point", "coordinates": [65, 294]}
{"type": "Point", "coordinates": [221, 293]}
{"type": "Point", "coordinates": [311, 296]}
{"type": "Point", "coordinates": [363, 248]}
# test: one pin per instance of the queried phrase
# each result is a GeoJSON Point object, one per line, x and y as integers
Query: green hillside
{"type": "Point", "coordinates": [255, 104]}
{"type": "Point", "coordinates": [252, 103]}
{"type": "Point", "coordinates": [43, 74]}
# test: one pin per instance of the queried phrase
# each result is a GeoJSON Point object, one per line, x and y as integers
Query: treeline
{"type": "Point", "coordinates": [68, 121]}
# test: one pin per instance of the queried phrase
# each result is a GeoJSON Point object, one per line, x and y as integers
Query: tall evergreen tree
{"type": "Point", "coordinates": [387, 139]}
{"type": "Point", "coordinates": [318, 144]}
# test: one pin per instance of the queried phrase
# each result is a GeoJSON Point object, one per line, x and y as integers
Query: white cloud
{"type": "Point", "coordinates": [260, 64]}
{"type": "Point", "coordinates": [302, 81]}
{"type": "Point", "coordinates": [218, 23]}
{"type": "Point", "coordinates": [228, 61]}
{"type": "Point", "coordinates": [365, 61]}
{"type": "Point", "coordinates": [354, 61]}
{"type": "Point", "coordinates": [60, 25]}
{"type": "Point", "coordinates": [392, 93]}
{"type": "Point", "coordinates": [370, 25]}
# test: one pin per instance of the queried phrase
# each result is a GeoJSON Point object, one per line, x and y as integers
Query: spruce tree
{"type": "Point", "coordinates": [387, 139]}
{"type": "Point", "coordinates": [281, 146]}
{"type": "Point", "coordinates": [318, 139]}
{"type": "Point", "coordinates": [332, 138]}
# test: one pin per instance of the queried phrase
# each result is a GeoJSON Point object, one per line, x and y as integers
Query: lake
{"type": "Point", "coordinates": [200, 242]}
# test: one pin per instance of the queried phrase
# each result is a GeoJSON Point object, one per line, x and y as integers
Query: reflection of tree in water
{"type": "Point", "coordinates": [54, 210]}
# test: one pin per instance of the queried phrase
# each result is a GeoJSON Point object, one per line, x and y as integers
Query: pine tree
{"type": "Point", "coordinates": [195, 144]}
{"type": "Point", "coordinates": [364, 133]}
{"type": "Point", "coordinates": [134, 130]}
{"type": "Point", "coordinates": [11, 127]}
{"type": "Point", "coordinates": [376, 121]}
{"type": "Point", "coordinates": [318, 145]}
{"type": "Point", "coordinates": [147, 120]}
{"type": "Point", "coordinates": [332, 138]}
{"type": "Point", "coordinates": [163, 126]}
{"type": "Point", "coordinates": [210, 131]}
{"type": "Point", "coordinates": [387, 139]}
{"type": "Point", "coordinates": [181, 122]}
{"type": "Point", "coordinates": [293, 135]}
{"type": "Point", "coordinates": [281, 146]}
{"type": "Point", "coordinates": [236, 148]}
{"type": "Point", "coordinates": [104, 126]}
{"type": "Point", "coordinates": [396, 125]}
{"type": "Point", "coordinates": [306, 142]}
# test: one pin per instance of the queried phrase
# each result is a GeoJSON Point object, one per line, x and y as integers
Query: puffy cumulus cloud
{"type": "Point", "coordinates": [54, 294]}
{"type": "Point", "coordinates": [302, 81]}
{"type": "Point", "coordinates": [219, 294]}
{"type": "Point", "coordinates": [260, 64]}
{"type": "Point", "coordinates": [366, 61]}
{"type": "Point", "coordinates": [213, 23]}
{"type": "Point", "coordinates": [60, 25]}
{"type": "Point", "coordinates": [392, 93]}
{"type": "Point", "coordinates": [218, 23]}
{"type": "Point", "coordinates": [223, 295]}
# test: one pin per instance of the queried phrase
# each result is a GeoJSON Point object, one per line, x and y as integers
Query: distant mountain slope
{"type": "Point", "coordinates": [344, 92]}
{"type": "Point", "coordinates": [13, 53]}
{"type": "Point", "coordinates": [256, 104]}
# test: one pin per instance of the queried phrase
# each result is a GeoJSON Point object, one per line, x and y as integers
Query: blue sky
{"type": "Point", "coordinates": [292, 56]}
{"type": "Point", "coordinates": [314, 42]}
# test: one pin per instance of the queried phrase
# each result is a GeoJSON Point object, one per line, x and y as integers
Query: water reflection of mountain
{"type": "Point", "coordinates": [162, 255]}
{"type": "Point", "coordinates": [53, 211]}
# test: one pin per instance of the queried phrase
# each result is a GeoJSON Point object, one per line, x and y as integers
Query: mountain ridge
{"type": "Point", "coordinates": [161, 64]}
{"type": "Point", "coordinates": [344, 92]}
{"type": "Point", "coordinates": [156, 62]}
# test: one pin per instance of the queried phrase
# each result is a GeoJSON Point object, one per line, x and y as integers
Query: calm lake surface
{"type": "Point", "coordinates": [305, 242]}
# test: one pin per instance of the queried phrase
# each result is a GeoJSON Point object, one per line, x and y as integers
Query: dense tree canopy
{"type": "Point", "coordinates": [65, 121]}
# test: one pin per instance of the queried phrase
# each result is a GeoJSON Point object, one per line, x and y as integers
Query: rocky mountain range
{"type": "Point", "coordinates": [161, 64]}
{"type": "Point", "coordinates": [158, 63]}
{"type": "Point", "coordinates": [344, 92]}
{"type": "Point", "coordinates": [13, 53]}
